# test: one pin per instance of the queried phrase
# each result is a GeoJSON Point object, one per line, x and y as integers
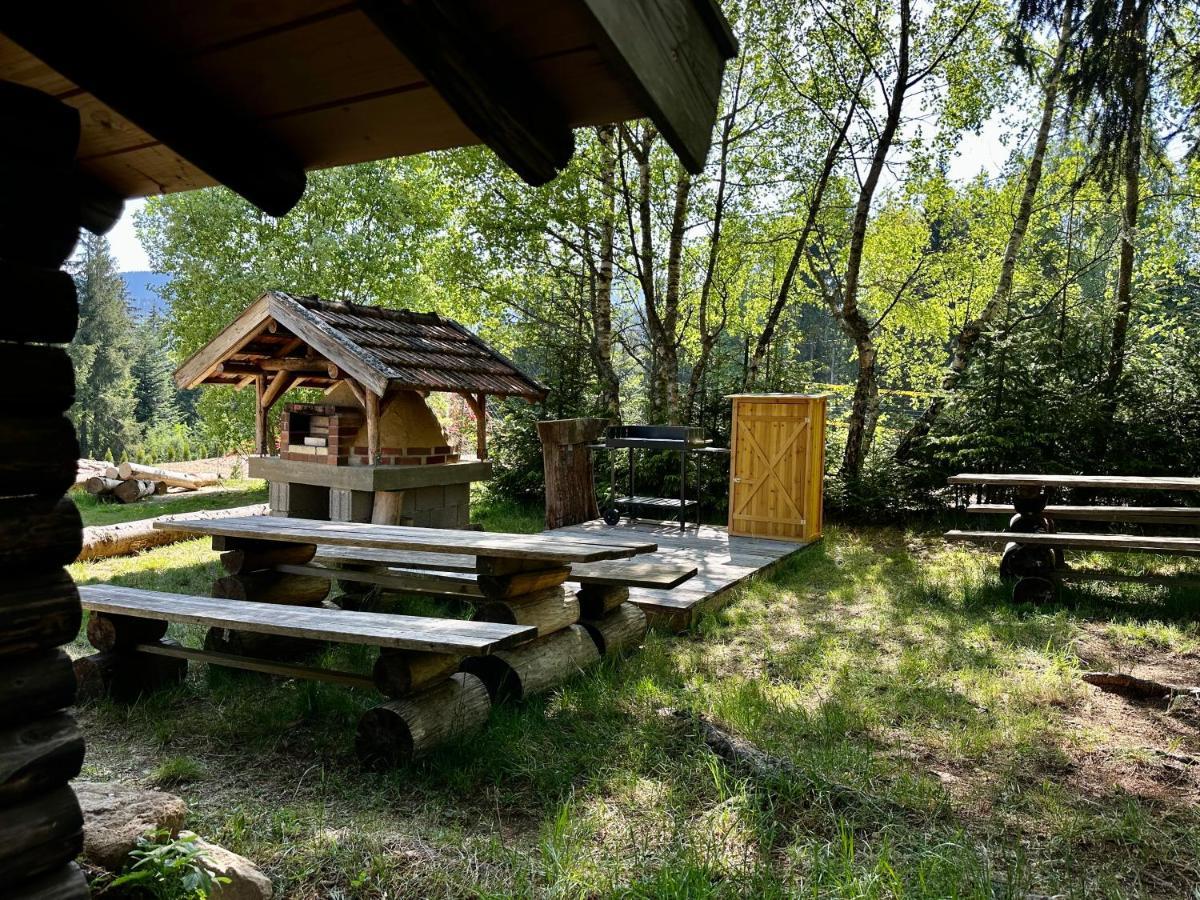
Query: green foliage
{"type": "Point", "coordinates": [104, 409]}
{"type": "Point", "coordinates": [168, 868]}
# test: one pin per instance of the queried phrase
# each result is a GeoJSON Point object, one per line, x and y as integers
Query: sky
{"type": "Point", "coordinates": [975, 152]}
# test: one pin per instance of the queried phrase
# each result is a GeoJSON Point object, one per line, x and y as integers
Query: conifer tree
{"type": "Point", "coordinates": [155, 391]}
{"type": "Point", "coordinates": [103, 349]}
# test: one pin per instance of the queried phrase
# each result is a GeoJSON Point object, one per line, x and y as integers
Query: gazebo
{"type": "Point", "coordinates": [249, 95]}
{"type": "Point", "coordinates": [374, 451]}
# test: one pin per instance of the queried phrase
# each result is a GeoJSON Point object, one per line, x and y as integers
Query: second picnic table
{"type": "Point", "coordinates": [1034, 552]}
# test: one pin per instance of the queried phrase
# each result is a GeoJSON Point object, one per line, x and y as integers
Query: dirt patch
{"type": "Point", "coordinates": [224, 466]}
{"type": "Point", "coordinates": [1149, 749]}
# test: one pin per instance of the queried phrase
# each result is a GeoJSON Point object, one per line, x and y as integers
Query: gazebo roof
{"type": "Point", "coordinates": [323, 342]}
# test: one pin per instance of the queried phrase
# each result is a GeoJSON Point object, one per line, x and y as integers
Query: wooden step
{"type": "Point", "coordinates": [341, 626]}
{"type": "Point", "coordinates": [1130, 543]}
{"type": "Point", "coordinates": [1150, 515]}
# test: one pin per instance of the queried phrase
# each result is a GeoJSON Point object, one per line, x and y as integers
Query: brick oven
{"type": "Point", "coordinates": [369, 449]}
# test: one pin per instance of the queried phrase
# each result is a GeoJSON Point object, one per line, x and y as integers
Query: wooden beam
{"type": "Point", "coordinates": [672, 52]}
{"type": "Point", "coordinates": [260, 415]}
{"type": "Point", "coordinates": [237, 334]}
{"type": "Point", "coordinates": [478, 405]}
{"type": "Point", "coordinates": [279, 384]}
{"type": "Point", "coordinates": [489, 89]}
{"type": "Point", "coordinates": [172, 105]}
{"type": "Point", "coordinates": [372, 407]}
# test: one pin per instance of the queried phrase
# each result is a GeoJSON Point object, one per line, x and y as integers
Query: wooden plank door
{"type": "Point", "coordinates": [777, 466]}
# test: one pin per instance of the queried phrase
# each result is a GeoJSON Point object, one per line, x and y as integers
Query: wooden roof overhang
{"type": "Point", "coordinates": [252, 95]}
{"type": "Point", "coordinates": [289, 339]}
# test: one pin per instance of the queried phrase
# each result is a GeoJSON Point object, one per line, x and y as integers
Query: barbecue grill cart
{"type": "Point", "coordinates": [680, 439]}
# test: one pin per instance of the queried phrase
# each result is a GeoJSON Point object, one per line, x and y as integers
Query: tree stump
{"type": "Point", "coordinates": [534, 667]}
{"type": "Point", "coordinates": [621, 629]}
{"type": "Point", "coordinates": [399, 731]}
{"type": "Point", "coordinates": [570, 486]}
{"type": "Point", "coordinates": [549, 611]}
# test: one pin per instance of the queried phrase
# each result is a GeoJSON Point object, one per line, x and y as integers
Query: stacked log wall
{"type": "Point", "coordinates": [41, 748]}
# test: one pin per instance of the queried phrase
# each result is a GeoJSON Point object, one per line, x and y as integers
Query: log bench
{"type": "Point", "coordinates": [1034, 548]}
{"type": "Point", "coordinates": [430, 701]}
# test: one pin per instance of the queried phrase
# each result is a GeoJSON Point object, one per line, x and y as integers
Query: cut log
{"type": "Point", "coordinates": [127, 675]}
{"type": "Point", "coordinates": [400, 673]}
{"type": "Point", "coordinates": [535, 667]}
{"type": "Point", "coordinates": [264, 555]}
{"type": "Point", "coordinates": [34, 685]}
{"type": "Point", "coordinates": [38, 612]}
{"type": "Point", "coordinates": [109, 632]}
{"type": "Point", "coordinates": [49, 368]}
{"type": "Point", "coordinates": [133, 490]}
{"type": "Point", "coordinates": [99, 485]}
{"type": "Point", "coordinates": [40, 835]}
{"type": "Point", "coordinates": [262, 646]}
{"type": "Point", "coordinates": [597, 600]}
{"type": "Point", "coordinates": [112, 472]}
{"type": "Point", "coordinates": [189, 480]}
{"type": "Point", "coordinates": [549, 610]}
{"type": "Point", "coordinates": [102, 541]}
{"type": "Point", "coordinates": [399, 731]}
{"type": "Point", "coordinates": [37, 456]}
{"type": "Point", "coordinates": [52, 319]}
{"type": "Point", "coordinates": [39, 756]}
{"type": "Point", "coordinates": [38, 535]}
{"type": "Point", "coordinates": [1138, 688]}
{"type": "Point", "coordinates": [618, 631]}
{"type": "Point", "coordinates": [65, 883]}
{"type": "Point", "coordinates": [503, 587]}
{"type": "Point", "coordinates": [272, 587]}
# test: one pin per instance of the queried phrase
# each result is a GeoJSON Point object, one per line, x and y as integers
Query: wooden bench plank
{"type": "Point", "coordinates": [1132, 543]}
{"type": "Point", "coordinates": [253, 664]}
{"type": "Point", "coordinates": [1151, 515]}
{"type": "Point", "coordinates": [1115, 482]}
{"type": "Point", "coordinates": [557, 549]}
{"type": "Point", "coordinates": [341, 626]}
{"type": "Point", "coordinates": [664, 575]}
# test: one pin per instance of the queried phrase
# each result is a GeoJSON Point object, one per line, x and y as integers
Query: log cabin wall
{"type": "Point", "coordinates": [41, 747]}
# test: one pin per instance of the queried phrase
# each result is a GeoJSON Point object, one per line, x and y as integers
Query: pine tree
{"type": "Point", "coordinates": [103, 348]}
{"type": "Point", "coordinates": [157, 398]}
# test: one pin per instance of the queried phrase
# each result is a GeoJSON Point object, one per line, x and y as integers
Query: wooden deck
{"type": "Point", "coordinates": [721, 563]}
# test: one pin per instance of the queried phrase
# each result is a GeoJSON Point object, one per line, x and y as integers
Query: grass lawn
{"type": "Point", "coordinates": [947, 747]}
{"type": "Point", "coordinates": [241, 492]}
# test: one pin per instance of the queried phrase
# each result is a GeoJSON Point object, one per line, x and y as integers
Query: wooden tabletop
{"type": "Point", "coordinates": [1114, 482]}
{"type": "Point", "coordinates": [555, 549]}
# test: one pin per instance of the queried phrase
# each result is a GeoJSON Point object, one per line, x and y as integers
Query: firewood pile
{"type": "Point", "coordinates": [130, 482]}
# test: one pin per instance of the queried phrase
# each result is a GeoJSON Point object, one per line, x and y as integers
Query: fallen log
{"type": "Point", "coordinates": [99, 485]}
{"type": "Point", "coordinates": [189, 480]}
{"type": "Point", "coordinates": [102, 541]}
{"type": "Point", "coordinates": [134, 489]}
{"type": "Point", "coordinates": [1138, 688]}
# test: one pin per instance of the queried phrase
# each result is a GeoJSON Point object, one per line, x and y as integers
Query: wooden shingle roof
{"type": "Point", "coordinates": [325, 342]}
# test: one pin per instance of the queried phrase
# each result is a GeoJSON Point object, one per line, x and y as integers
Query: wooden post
{"type": "Point", "coordinates": [570, 488]}
{"type": "Point", "coordinates": [478, 405]}
{"type": "Point", "coordinates": [42, 824]}
{"type": "Point", "coordinates": [372, 425]}
{"type": "Point", "coordinates": [260, 415]}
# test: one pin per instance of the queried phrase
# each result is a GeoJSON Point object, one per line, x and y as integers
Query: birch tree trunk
{"type": "Point", "coordinates": [973, 330]}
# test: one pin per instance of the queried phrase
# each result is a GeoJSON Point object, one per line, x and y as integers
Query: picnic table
{"type": "Point", "coordinates": [1034, 547]}
{"type": "Point", "coordinates": [528, 631]}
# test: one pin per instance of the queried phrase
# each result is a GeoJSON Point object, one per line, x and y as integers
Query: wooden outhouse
{"type": "Point", "coordinates": [777, 467]}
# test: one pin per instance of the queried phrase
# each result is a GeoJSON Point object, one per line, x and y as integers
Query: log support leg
{"type": "Point", "coordinates": [399, 731]}
{"type": "Point", "coordinates": [535, 667]}
{"type": "Point", "coordinates": [125, 675]}
{"type": "Point", "coordinates": [617, 631]}
{"type": "Point", "coordinates": [549, 610]}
